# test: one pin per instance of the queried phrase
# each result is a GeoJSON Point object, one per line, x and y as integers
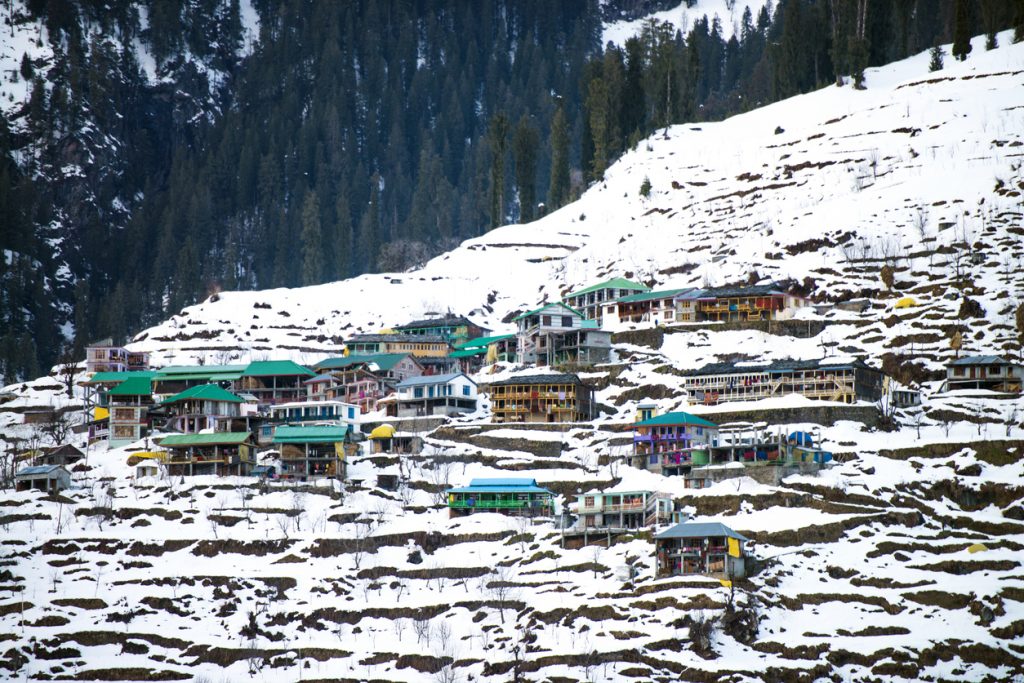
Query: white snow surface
{"type": "Point", "coordinates": [729, 13]}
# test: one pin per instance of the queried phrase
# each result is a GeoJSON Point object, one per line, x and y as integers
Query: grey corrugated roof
{"type": "Point", "coordinates": [423, 380]}
{"type": "Point", "coordinates": [563, 378]}
{"type": "Point", "coordinates": [981, 360]}
{"type": "Point", "coordinates": [721, 292]}
{"type": "Point", "coordinates": [785, 365]}
{"type": "Point", "coordinates": [700, 530]}
{"type": "Point", "coordinates": [410, 338]}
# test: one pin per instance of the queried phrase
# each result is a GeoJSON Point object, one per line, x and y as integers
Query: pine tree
{"type": "Point", "coordinates": [1018, 21]}
{"type": "Point", "coordinates": [935, 63]}
{"type": "Point", "coordinates": [497, 139]}
{"type": "Point", "coordinates": [558, 189]}
{"type": "Point", "coordinates": [961, 31]}
{"type": "Point", "coordinates": [524, 152]}
{"type": "Point", "coordinates": [26, 67]}
{"type": "Point", "coordinates": [597, 107]}
{"type": "Point", "coordinates": [312, 243]}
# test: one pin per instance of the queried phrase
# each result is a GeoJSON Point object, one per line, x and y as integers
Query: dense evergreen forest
{"type": "Point", "coordinates": [358, 136]}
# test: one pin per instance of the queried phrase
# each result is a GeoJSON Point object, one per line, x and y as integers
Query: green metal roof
{"type": "Point", "coordinates": [679, 418]}
{"type": "Point", "coordinates": [553, 303]}
{"type": "Point", "coordinates": [614, 283]}
{"type": "Point", "coordinates": [467, 353]}
{"type": "Point", "coordinates": [385, 361]}
{"type": "Point", "coordinates": [651, 296]}
{"type": "Point", "coordinates": [202, 376]}
{"type": "Point", "coordinates": [105, 377]}
{"type": "Point", "coordinates": [483, 342]}
{"type": "Point", "coordinates": [199, 369]}
{"type": "Point", "coordinates": [309, 434]}
{"type": "Point", "coordinates": [205, 392]}
{"type": "Point", "coordinates": [270, 368]}
{"type": "Point", "coordinates": [133, 386]}
{"type": "Point", "coordinates": [214, 439]}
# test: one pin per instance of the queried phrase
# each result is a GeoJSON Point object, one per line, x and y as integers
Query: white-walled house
{"type": "Point", "coordinates": [449, 394]}
{"type": "Point", "coordinates": [556, 333]}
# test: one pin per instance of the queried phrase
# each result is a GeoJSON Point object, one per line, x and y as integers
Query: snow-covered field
{"type": "Point", "coordinates": [867, 573]}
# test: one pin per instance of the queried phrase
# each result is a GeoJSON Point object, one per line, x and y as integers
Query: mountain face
{"type": "Point", "coordinates": [154, 152]}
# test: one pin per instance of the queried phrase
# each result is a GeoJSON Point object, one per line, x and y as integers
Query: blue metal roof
{"type": "Point", "coordinates": [501, 485]}
{"type": "Point", "coordinates": [700, 530]}
{"type": "Point", "coordinates": [980, 360]}
{"type": "Point", "coordinates": [36, 470]}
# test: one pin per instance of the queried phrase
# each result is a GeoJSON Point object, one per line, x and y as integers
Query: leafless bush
{"type": "Point", "coordinates": [440, 477]}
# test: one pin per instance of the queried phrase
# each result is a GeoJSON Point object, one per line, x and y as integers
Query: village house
{"type": "Point", "coordinates": [656, 308]}
{"type": "Point", "coordinates": [217, 453]}
{"type": "Point", "coordinates": [590, 301]}
{"type": "Point", "coordinates": [129, 404]}
{"type": "Point", "coordinates": [325, 413]}
{"type": "Point", "coordinates": [669, 444]}
{"type": "Point", "coordinates": [388, 368]}
{"type": "Point", "coordinates": [206, 407]}
{"type": "Point", "coordinates": [48, 478]}
{"type": "Point", "coordinates": [64, 455]}
{"type": "Point", "coordinates": [353, 385]}
{"type": "Point", "coordinates": [555, 334]}
{"type": "Point", "coordinates": [842, 381]}
{"type": "Point", "coordinates": [450, 394]}
{"type": "Point", "coordinates": [385, 438]}
{"type": "Point", "coordinates": [993, 373]}
{"type": "Point", "coordinates": [175, 379]}
{"type": "Point", "coordinates": [97, 401]}
{"type": "Point", "coordinates": [511, 496]}
{"type": "Point", "coordinates": [419, 345]}
{"type": "Point", "coordinates": [620, 510]}
{"type": "Point", "coordinates": [106, 357]}
{"type": "Point", "coordinates": [745, 303]}
{"type": "Point", "coordinates": [314, 451]}
{"type": "Point", "coordinates": [541, 398]}
{"type": "Point", "coordinates": [274, 381]}
{"type": "Point", "coordinates": [705, 548]}
{"type": "Point", "coordinates": [454, 329]}
{"type": "Point", "coordinates": [475, 353]}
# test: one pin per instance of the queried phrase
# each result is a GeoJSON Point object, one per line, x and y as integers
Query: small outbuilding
{"type": "Point", "coordinates": [49, 478]}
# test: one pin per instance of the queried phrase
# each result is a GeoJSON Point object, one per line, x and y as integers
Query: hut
{"type": "Point", "coordinates": [49, 478]}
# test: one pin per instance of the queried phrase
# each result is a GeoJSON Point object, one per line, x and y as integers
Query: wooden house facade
{"type": "Point", "coordinates": [314, 451]}
{"type": "Point", "coordinates": [555, 334]}
{"type": "Point", "coordinates": [419, 345]}
{"type": "Point", "coordinates": [106, 357]}
{"type": "Point", "coordinates": [454, 329]}
{"type": "Point", "coordinates": [541, 398]}
{"type": "Point", "coordinates": [992, 373]}
{"type": "Point", "coordinates": [702, 548]}
{"type": "Point", "coordinates": [845, 382]}
{"type": "Point", "coordinates": [218, 453]}
{"type": "Point", "coordinates": [617, 510]}
{"type": "Point", "coordinates": [128, 404]}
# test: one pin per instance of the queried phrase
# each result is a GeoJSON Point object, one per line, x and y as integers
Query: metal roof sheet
{"type": "Point", "coordinates": [269, 368]}
{"type": "Point", "coordinates": [423, 380]}
{"type": "Point", "coordinates": [205, 392]}
{"type": "Point", "coordinates": [215, 438]}
{"type": "Point", "coordinates": [676, 418]}
{"type": "Point", "coordinates": [614, 283]}
{"type": "Point", "coordinates": [310, 434]}
{"type": "Point", "coordinates": [700, 530]}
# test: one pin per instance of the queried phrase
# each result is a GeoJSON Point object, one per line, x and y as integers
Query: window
{"type": "Point", "coordinates": [588, 501]}
{"type": "Point", "coordinates": [545, 320]}
{"type": "Point", "coordinates": [465, 390]}
{"type": "Point", "coordinates": [351, 413]}
{"type": "Point", "coordinates": [566, 321]}
{"type": "Point", "coordinates": [417, 392]}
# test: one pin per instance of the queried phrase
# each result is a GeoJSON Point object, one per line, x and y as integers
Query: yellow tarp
{"type": "Point", "coordinates": [100, 413]}
{"type": "Point", "coordinates": [383, 432]}
{"type": "Point", "coordinates": [726, 583]}
{"type": "Point", "coordinates": [906, 302]}
{"type": "Point", "coordinates": [976, 548]}
{"type": "Point", "coordinates": [734, 547]}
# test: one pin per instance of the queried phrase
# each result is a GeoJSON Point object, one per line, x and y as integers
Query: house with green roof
{"type": "Point", "coordinates": [217, 453]}
{"type": "Point", "coordinates": [128, 405]}
{"type": "Point", "coordinates": [455, 329]}
{"type": "Point", "coordinates": [673, 443]}
{"type": "Point", "coordinates": [590, 300]}
{"type": "Point", "coordinates": [555, 334]}
{"type": "Point", "coordinates": [654, 307]}
{"type": "Point", "coordinates": [314, 451]}
{"type": "Point", "coordinates": [475, 353]}
{"type": "Point", "coordinates": [206, 407]}
{"type": "Point", "coordinates": [174, 379]}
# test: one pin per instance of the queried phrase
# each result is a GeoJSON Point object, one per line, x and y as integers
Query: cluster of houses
{"type": "Point", "coordinates": [217, 417]}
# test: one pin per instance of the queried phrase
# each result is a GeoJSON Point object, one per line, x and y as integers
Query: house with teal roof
{"type": "Point", "coordinates": [314, 451]}
{"type": "Point", "coordinates": [555, 334]}
{"type": "Point", "coordinates": [217, 453]}
{"type": "Point", "coordinates": [274, 381]}
{"type": "Point", "coordinates": [475, 353]}
{"type": "Point", "coordinates": [672, 443]}
{"type": "Point", "coordinates": [205, 407]}
{"type": "Point", "coordinates": [514, 497]}
{"type": "Point", "coordinates": [128, 405]}
{"type": "Point", "coordinates": [590, 300]}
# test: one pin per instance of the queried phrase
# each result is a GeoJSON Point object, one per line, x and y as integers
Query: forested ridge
{"type": "Point", "coordinates": [359, 136]}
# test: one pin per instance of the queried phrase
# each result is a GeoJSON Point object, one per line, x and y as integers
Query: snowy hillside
{"type": "Point", "coordinates": [872, 570]}
{"type": "Point", "coordinates": [728, 12]}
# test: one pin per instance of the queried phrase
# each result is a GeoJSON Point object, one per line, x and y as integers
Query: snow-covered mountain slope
{"type": "Point", "coordinates": [921, 171]}
{"type": "Point", "coordinates": [868, 573]}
